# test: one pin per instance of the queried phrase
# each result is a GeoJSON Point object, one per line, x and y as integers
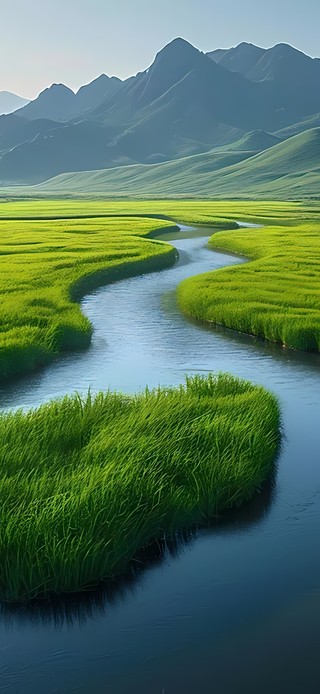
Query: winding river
{"type": "Point", "coordinates": [235, 608]}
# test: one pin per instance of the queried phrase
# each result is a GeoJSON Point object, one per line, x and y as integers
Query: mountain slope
{"type": "Point", "coordinates": [10, 102]}
{"type": "Point", "coordinates": [91, 95]}
{"type": "Point", "coordinates": [307, 124]}
{"type": "Point", "coordinates": [15, 131]}
{"type": "Point", "coordinates": [290, 78]}
{"type": "Point", "coordinates": [279, 62]}
{"type": "Point", "coordinates": [241, 58]}
{"type": "Point", "coordinates": [254, 141]}
{"type": "Point", "coordinates": [289, 168]}
{"type": "Point", "coordinates": [52, 103]}
{"type": "Point", "coordinates": [58, 102]}
{"type": "Point", "coordinates": [59, 148]}
{"type": "Point", "coordinates": [181, 74]}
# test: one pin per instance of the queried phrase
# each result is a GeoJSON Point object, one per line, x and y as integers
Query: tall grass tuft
{"type": "Point", "coordinates": [87, 482]}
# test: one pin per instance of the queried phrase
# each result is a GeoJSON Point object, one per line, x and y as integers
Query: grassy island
{"type": "Point", "coordinates": [86, 483]}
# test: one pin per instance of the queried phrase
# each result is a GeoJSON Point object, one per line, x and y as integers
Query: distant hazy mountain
{"type": "Point", "coordinates": [241, 59]}
{"type": "Point", "coordinates": [11, 102]}
{"type": "Point", "coordinates": [290, 169]}
{"type": "Point", "coordinates": [185, 103]}
{"type": "Point", "coordinates": [291, 77]}
{"type": "Point", "coordinates": [58, 102]}
{"type": "Point", "coordinates": [53, 103]}
{"type": "Point", "coordinates": [91, 95]}
{"type": "Point", "coordinates": [279, 62]}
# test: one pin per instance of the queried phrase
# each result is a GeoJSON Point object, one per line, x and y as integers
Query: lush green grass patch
{"type": "Point", "coordinates": [45, 266]}
{"type": "Point", "coordinates": [276, 296]}
{"type": "Point", "coordinates": [86, 483]}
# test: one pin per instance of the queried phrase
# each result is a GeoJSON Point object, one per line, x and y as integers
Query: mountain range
{"type": "Point", "coordinates": [187, 110]}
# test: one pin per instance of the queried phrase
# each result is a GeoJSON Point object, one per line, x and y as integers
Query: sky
{"type": "Point", "coordinates": [73, 41]}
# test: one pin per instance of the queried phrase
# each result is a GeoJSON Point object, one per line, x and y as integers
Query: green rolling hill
{"type": "Point", "coordinates": [289, 169]}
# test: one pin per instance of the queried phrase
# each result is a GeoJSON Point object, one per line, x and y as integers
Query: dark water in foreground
{"type": "Point", "coordinates": [235, 608]}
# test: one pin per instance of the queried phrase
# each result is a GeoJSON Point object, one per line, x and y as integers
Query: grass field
{"type": "Point", "coordinates": [87, 483]}
{"type": "Point", "coordinates": [186, 211]}
{"type": "Point", "coordinates": [277, 296]}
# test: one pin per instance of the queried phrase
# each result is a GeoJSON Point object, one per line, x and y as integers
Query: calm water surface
{"type": "Point", "coordinates": [237, 607]}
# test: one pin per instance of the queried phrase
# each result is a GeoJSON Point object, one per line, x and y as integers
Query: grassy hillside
{"type": "Point", "coordinates": [305, 124]}
{"type": "Point", "coordinates": [254, 141]}
{"type": "Point", "coordinates": [288, 169]}
{"type": "Point", "coordinates": [85, 484]}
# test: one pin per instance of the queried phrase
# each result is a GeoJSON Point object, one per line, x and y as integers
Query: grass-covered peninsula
{"type": "Point", "coordinates": [86, 483]}
{"type": "Point", "coordinates": [47, 265]}
{"type": "Point", "coordinates": [276, 296]}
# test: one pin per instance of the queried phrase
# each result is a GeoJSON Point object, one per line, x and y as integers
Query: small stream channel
{"type": "Point", "coordinates": [235, 608]}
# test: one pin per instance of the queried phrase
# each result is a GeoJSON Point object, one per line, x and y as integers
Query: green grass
{"type": "Point", "coordinates": [204, 212]}
{"type": "Point", "coordinates": [86, 483]}
{"type": "Point", "coordinates": [276, 296]}
{"type": "Point", "coordinates": [45, 267]}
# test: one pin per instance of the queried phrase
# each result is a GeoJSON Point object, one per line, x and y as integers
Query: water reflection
{"type": "Point", "coordinates": [76, 609]}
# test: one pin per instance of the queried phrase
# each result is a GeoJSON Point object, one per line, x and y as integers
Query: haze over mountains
{"type": "Point", "coordinates": [226, 106]}
{"type": "Point", "coordinates": [289, 169]}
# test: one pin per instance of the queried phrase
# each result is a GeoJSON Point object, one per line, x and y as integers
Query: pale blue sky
{"type": "Point", "coordinates": [72, 41]}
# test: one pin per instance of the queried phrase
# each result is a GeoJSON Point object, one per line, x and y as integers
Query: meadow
{"type": "Point", "coordinates": [276, 296]}
{"type": "Point", "coordinates": [86, 483]}
{"type": "Point", "coordinates": [212, 213]}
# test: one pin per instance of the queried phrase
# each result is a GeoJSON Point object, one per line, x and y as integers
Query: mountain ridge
{"type": "Point", "coordinates": [183, 104]}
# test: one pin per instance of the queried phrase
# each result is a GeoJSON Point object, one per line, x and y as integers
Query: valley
{"type": "Point", "coordinates": [159, 351]}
